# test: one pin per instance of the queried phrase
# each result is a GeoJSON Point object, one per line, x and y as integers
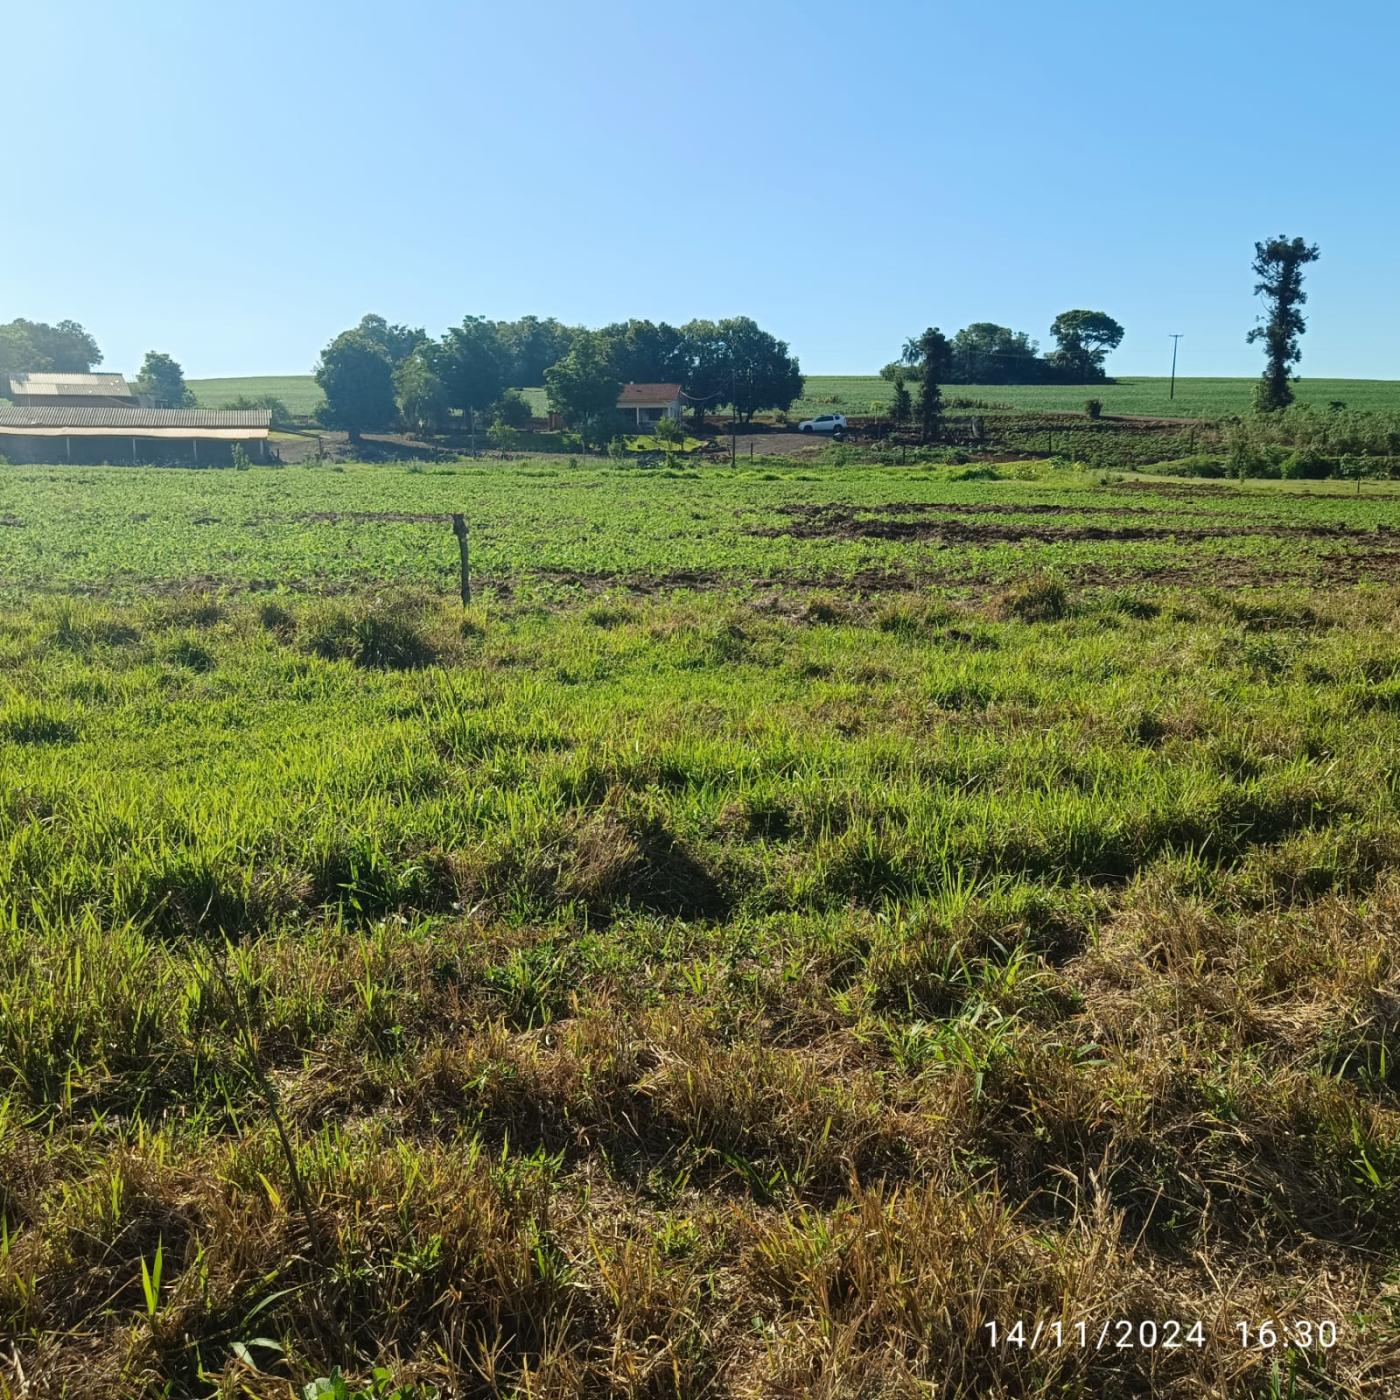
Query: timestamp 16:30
{"type": "Point", "coordinates": [1167, 1334]}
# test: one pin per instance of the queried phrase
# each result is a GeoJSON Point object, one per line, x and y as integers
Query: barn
{"type": "Point", "coordinates": [157, 436]}
{"type": "Point", "coordinates": [43, 390]}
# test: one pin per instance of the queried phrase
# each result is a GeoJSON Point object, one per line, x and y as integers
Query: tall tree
{"type": "Point", "coordinates": [471, 363]}
{"type": "Point", "coordinates": [163, 382]}
{"type": "Point", "coordinates": [358, 381]}
{"type": "Point", "coordinates": [935, 359]}
{"type": "Point", "coordinates": [1278, 264]}
{"type": "Point", "coordinates": [420, 394]}
{"type": "Point", "coordinates": [1084, 339]}
{"type": "Point", "coordinates": [583, 389]}
{"type": "Point", "coordinates": [765, 372]}
{"type": "Point", "coordinates": [397, 342]}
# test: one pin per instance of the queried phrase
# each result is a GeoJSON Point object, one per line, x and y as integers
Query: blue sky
{"type": "Point", "coordinates": [234, 184]}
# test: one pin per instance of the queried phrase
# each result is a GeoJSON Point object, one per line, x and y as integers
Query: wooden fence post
{"type": "Point", "coordinates": [459, 528]}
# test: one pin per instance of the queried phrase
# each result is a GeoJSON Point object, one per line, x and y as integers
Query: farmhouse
{"type": "Point", "coordinates": [71, 391]}
{"type": "Point", "coordinates": [650, 402]}
{"type": "Point", "coordinates": [160, 436]}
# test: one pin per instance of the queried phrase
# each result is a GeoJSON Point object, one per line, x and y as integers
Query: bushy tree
{"type": "Point", "coordinates": [281, 414]}
{"type": "Point", "coordinates": [163, 382]}
{"type": "Point", "coordinates": [1278, 264]}
{"type": "Point", "coordinates": [1083, 340]}
{"type": "Point", "coordinates": [358, 381]}
{"type": "Point", "coordinates": [648, 352]}
{"type": "Point", "coordinates": [420, 394]}
{"type": "Point", "coordinates": [986, 353]}
{"type": "Point", "coordinates": [583, 389]}
{"type": "Point", "coordinates": [472, 364]}
{"type": "Point", "coordinates": [36, 347]}
{"type": "Point", "coordinates": [737, 360]}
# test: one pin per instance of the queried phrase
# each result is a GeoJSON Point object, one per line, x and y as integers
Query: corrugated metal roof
{"type": "Point", "coordinates": [123, 418]}
{"type": "Point", "coordinates": [108, 386]}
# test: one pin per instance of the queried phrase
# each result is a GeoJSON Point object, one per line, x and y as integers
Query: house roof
{"type": "Point", "coordinates": [103, 386]}
{"type": "Point", "coordinates": [648, 395]}
{"type": "Point", "coordinates": [126, 419]}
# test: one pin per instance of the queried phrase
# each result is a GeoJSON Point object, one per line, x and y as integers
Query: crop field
{"type": "Point", "coordinates": [793, 919]}
{"type": "Point", "coordinates": [1195, 398]}
{"type": "Point", "coordinates": [862, 393]}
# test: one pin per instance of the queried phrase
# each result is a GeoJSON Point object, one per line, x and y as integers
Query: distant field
{"type": "Point", "coordinates": [857, 393]}
{"type": "Point", "coordinates": [299, 392]}
{"type": "Point", "coordinates": [1195, 398]}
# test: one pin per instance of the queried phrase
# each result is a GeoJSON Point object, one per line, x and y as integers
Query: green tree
{"type": "Point", "coordinates": [1279, 263]}
{"type": "Point", "coordinates": [420, 394]}
{"type": "Point", "coordinates": [397, 342]}
{"type": "Point", "coordinates": [583, 389]}
{"type": "Point", "coordinates": [901, 406]}
{"type": "Point", "coordinates": [647, 352]}
{"type": "Point", "coordinates": [530, 345]}
{"type": "Point", "coordinates": [935, 358]}
{"type": "Point", "coordinates": [36, 347]}
{"type": "Point", "coordinates": [163, 382]}
{"type": "Point", "coordinates": [1083, 340]}
{"type": "Point", "coordinates": [986, 353]}
{"type": "Point", "coordinates": [737, 360]}
{"type": "Point", "coordinates": [472, 364]}
{"type": "Point", "coordinates": [358, 381]}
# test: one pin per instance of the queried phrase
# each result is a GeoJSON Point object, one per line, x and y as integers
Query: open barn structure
{"type": "Point", "coordinates": [153, 436]}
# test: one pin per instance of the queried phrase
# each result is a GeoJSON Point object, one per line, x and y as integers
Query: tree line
{"type": "Point", "coordinates": [377, 374]}
{"type": "Point", "coordinates": [986, 353]}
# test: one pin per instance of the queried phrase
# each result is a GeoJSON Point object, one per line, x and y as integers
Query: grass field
{"type": "Point", "coordinates": [794, 918]}
{"type": "Point", "coordinates": [300, 392]}
{"type": "Point", "coordinates": [856, 393]}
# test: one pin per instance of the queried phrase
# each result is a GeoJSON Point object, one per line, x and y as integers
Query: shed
{"type": "Point", "coordinates": [46, 390]}
{"type": "Point", "coordinates": [197, 436]}
{"type": "Point", "coordinates": [650, 402]}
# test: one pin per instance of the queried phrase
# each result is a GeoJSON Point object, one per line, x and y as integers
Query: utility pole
{"type": "Point", "coordinates": [733, 412]}
{"type": "Point", "coordinates": [1176, 335]}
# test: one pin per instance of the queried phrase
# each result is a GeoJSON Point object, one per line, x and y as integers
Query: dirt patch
{"type": "Point", "coordinates": [848, 523]}
{"type": "Point", "coordinates": [1157, 488]}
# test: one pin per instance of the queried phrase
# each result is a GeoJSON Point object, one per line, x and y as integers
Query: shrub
{"type": "Point", "coordinates": [1040, 598]}
{"type": "Point", "coordinates": [374, 641]}
{"type": "Point", "coordinates": [1305, 465]}
{"type": "Point", "coordinates": [1093, 408]}
{"type": "Point", "coordinates": [511, 410]}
